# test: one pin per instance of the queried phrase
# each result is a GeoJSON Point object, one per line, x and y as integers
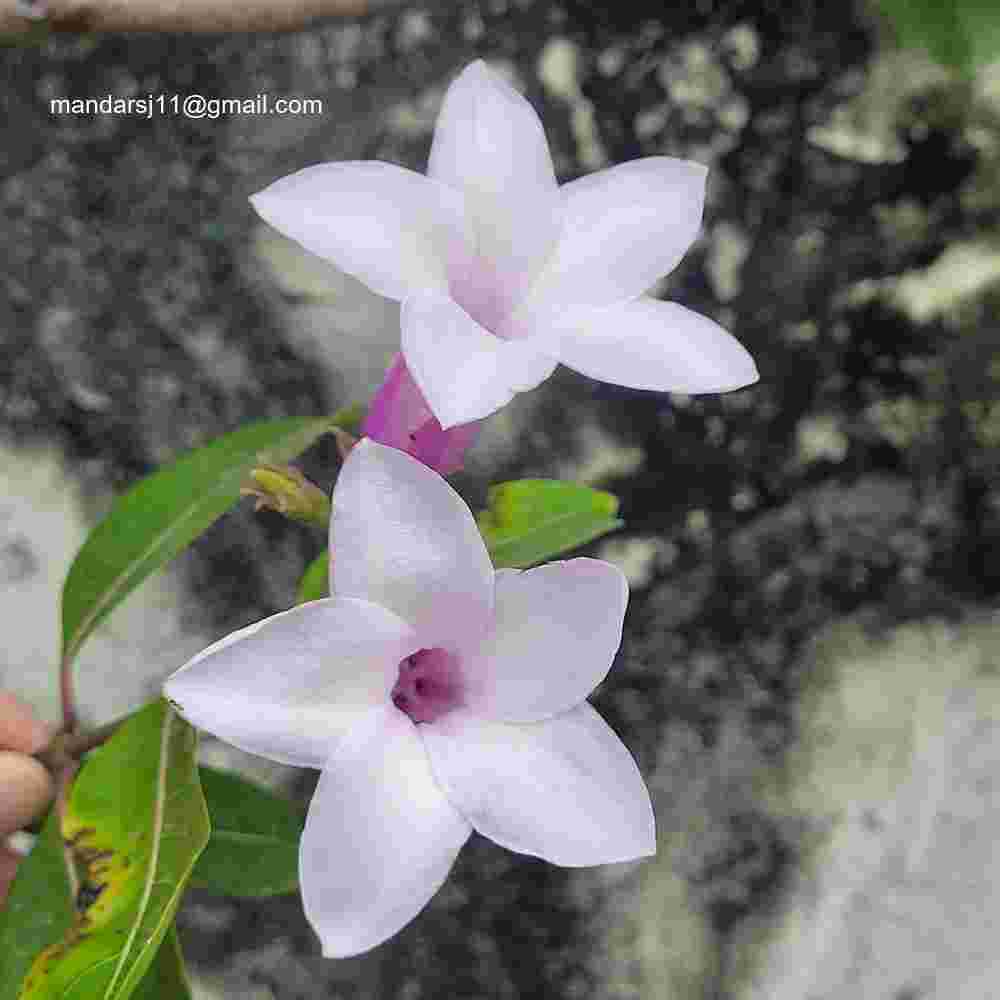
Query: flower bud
{"type": "Point", "coordinates": [285, 489]}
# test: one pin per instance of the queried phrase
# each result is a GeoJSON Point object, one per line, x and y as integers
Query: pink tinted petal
{"type": "Point", "coordinates": [403, 538]}
{"type": "Point", "coordinates": [464, 372]}
{"type": "Point", "coordinates": [380, 837]}
{"type": "Point", "coordinates": [392, 228]}
{"type": "Point", "coordinates": [625, 227]}
{"type": "Point", "coordinates": [400, 417]}
{"type": "Point", "coordinates": [287, 687]}
{"type": "Point", "coordinates": [648, 344]}
{"type": "Point", "coordinates": [489, 143]}
{"type": "Point", "coordinates": [566, 789]}
{"type": "Point", "coordinates": [557, 630]}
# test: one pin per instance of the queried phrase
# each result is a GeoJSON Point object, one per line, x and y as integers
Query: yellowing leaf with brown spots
{"type": "Point", "coordinates": [136, 823]}
{"type": "Point", "coordinates": [38, 911]}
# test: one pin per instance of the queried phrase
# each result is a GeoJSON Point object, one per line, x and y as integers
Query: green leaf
{"type": "Point", "coordinates": [39, 909]}
{"type": "Point", "coordinates": [254, 846]}
{"type": "Point", "coordinates": [964, 34]}
{"type": "Point", "coordinates": [162, 514]}
{"type": "Point", "coordinates": [531, 520]}
{"type": "Point", "coordinates": [315, 582]}
{"type": "Point", "coordinates": [166, 978]}
{"type": "Point", "coordinates": [136, 822]}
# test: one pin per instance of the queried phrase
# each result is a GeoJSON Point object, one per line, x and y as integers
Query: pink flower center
{"type": "Point", "coordinates": [429, 684]}
{"type": "Point", "coordinates": [485, 294]}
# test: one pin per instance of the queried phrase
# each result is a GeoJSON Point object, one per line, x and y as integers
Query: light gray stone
{"type": "Point", "coordinates": [895, 776]}
{"type": "Point", "coordinates": [43, 523]}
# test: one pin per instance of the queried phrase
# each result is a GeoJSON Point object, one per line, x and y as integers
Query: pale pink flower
{"type": "Point", "coordinates": [501, 272]}
{"type": "Point", "coordinates": [398, 415]}
{"type": "Point", "coordinates": [437, 695]}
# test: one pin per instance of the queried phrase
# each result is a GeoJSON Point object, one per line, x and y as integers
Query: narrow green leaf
{"type": "Point", "coordinates": [315, 582]}
{"type": "Point", "coordinates": [254, 846]}
{"type": "Point", "coordinates": [531, 520]}
{"type": "Point", "coordinates": [39, 909]}
{"type": "Point", "coordinates": [136, 822]}
{"type": "Point", "coordinates": [162, 514]}
{"type": "Point", "coordinates": [166, 978]}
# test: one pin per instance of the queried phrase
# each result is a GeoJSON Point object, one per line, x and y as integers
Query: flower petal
{"type": "Point", "coordinates": [648, 344]}
{"type": "Point", "coordinates": [625, 227]}
{"type": "Point", "coordinates": [489, 144]}
{"type": "Point", "coordinates": [403, 538]}
{"type": "Point", "coordinates": [392, 228]}
{"type": "Point", "coordinates": [565, 789]}
{"type": "Point", "coordinates": [464, 372]}
{"type": "Point", "coordinates": [289, 686]}
{"type": "Point", "coordinates": [380, 837]}
{"type": "Point", "coordinates": [557, 630]}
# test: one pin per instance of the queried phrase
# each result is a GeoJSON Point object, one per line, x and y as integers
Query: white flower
{"type": "Point", "coordinates": [503, 273]}
{"type": "Point", "coordinates": [437, 695]}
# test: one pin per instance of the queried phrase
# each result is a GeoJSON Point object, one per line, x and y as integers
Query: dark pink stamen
{"type": "Point", "coordinates": [429, 684]}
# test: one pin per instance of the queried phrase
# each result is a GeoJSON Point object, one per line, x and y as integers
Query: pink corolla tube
{"type": "Point", "coordinates": [399, 416]}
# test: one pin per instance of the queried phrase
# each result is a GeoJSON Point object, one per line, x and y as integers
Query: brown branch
{"type": "Point", "coordinates": [66, 748]}
{"type": "Point", "coordinates": [66, 694]}
{"type": "Point", "coordinates": [25, 17]}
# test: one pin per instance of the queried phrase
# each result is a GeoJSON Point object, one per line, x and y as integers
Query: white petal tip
{"type": "Point", "coordinates": [644, 846]}
{"type": "Point", "coordinates": [172, 690]}
{"type": "Point", "coordinates": [480, 69]}
{"type": "Point", "coordinates": [343, 949]}
{"type": "Point", "coordinates": [732, 368]}
{"type": "Point", "coordinates": [261, 200]}
{"type": "Point", "coordinates": [631, 856]}
{"type": "Point", "coordinates": [737, 376]}
{"type": "Point", "coordinates": [640, 851]}
{"type": "Point", "coordinates": [449, 420]}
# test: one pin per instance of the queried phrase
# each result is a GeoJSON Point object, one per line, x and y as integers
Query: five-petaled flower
{"type": "Point", "coordinates": [437, 695]}
{"type": "Point", "coordinates": [501, 272]}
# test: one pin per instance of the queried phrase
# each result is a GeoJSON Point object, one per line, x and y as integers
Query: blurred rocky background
{"type": "Point", "coordinates": [810, 676]}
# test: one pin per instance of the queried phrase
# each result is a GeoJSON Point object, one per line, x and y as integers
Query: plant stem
{"type": "Point", "coordinates": [68, 747]}
{"type": "Point", "coordinates": [66, 695]}
{"type": "Point", "coordinates": [78, 744]}
{"type": "Point", "coordinates": [79, 17]}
